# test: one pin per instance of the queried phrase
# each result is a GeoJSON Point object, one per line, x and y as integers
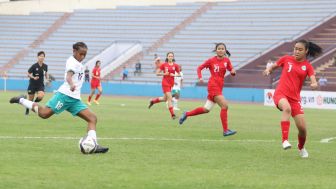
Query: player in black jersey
{"type": "Point", "coordinates": [37, 72]}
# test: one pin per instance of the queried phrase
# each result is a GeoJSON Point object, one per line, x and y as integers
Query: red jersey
{"type": "Point", "coordinates": [217, 69]}
{"type": "Point", "coordinates": [168, 80]}
{"type": "Point", "coordinates": [292, 76]}
{"type": "Point", "coordinates": [96, 73]}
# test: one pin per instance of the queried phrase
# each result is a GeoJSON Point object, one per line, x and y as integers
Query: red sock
{"type": "Point", "coordinates": [302, 141]}
{"type": "Point", "coordinates": [223, 116]}
{"type": "Point", "coordinates": [171, 110]}
{"type": "Point", "coordinates": [156, 100]}
{"type": "Point", "coordinates": [89, 99]}
{"type": "Point", "coordinates": [199, 110]}
{"type": "Point", "coordinates": [97, 96]}
{"type": "Point", "coordinates": [285, 129]}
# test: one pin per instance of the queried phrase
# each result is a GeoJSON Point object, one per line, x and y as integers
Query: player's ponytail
{"type": "Point", "coordinates": [313, 49]}
{"type": "Point", "coordinates": [227, 53]}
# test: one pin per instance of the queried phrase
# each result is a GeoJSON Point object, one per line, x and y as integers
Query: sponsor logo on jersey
{"type": "Point", "coordinates": [304, 68]}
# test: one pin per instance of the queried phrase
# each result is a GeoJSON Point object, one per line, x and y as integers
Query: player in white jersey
{"type": "Point", "coordinates": [68, 95]}
{"type": "Point", "coordinates": [177, 89]}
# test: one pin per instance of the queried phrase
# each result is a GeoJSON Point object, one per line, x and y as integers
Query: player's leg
{"type": "Point", "coordinates": [301, 125]}
{"type": "Point", "coordinates": [100, 91]}
{"type": "Point", "coordinates": [31, 94]}
{"type": "Point", "coordinates": [176, 97]}
{"type": "Point", "coordinates": [159, 99]}
{"type": "Point", "coordinates": [91, 120]}
{"type": "Point", "coordinates": [168, 97]}
{"type": "Point", "coordinates": [40, 96]}
{"type": "Point", "coordinates": [90, 96]}
{"type": "Point", "coordinates": [197, 111]}
{"type": "Point", "coordinates": [223, 104]}
{"type": "Point", "coordinates": [42, 111]}
{"type": "Point", "coordinates": [285, 107]}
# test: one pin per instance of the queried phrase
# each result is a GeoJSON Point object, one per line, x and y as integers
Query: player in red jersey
{"type": "Point", "coordinates": [168, 70]}
{"type": "Point", "coordinates": [95, 84]}
{"type": "Point", "coordinates": [286, 97]}
{"type": "Point", "coordinates": [217, 66]}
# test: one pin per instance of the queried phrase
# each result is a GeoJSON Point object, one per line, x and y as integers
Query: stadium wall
{"type": "Point", "coordinates": [193, 92]}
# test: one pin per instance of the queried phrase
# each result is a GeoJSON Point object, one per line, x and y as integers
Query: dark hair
{"type": "Point", "coordinates": [78, 45]}
{"type": "Point", "coordinates": [98, 61]}
{"type": "Point", "coordinates": [226, 51]}
{"type": "Point", "coordinates": [41, 52]}
{"type": "Point", "coordinates": [167, 56]}
{"type": "Point", "coordinates": [313, 49]}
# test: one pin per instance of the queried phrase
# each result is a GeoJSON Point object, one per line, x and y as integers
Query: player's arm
{"type": "Point", "coordinates": [46, 73]}
{"type": "Point", "coordinates": [159, 71]}
{"type": "Point", "coordinates": [200, 68]}
{"type": "Point", "coordinates": [30, 74]}
{"type": "Point", "coordinates": [313, 82]}
{"type": "Point", "coordinates": [231, 69]}
{"type": "Point", "coordinates": [69, 75]}
{"type": "Point", "coordinates": [270, 69]}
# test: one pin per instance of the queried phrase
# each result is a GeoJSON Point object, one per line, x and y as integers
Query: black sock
{"type": "Point", "coordinates": [37, 100]}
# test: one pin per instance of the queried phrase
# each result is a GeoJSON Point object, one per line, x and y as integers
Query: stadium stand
{"type": "Point", "coordinates": [251, 29]}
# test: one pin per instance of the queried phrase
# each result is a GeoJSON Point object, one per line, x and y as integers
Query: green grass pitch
{"type": "Point", "coordinates": [148, 150]}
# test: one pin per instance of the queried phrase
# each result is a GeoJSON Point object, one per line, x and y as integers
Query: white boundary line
{"type": "Point", "coordinates": [136, 138]}
{"type": "Point", "coordinates": [327, 140]}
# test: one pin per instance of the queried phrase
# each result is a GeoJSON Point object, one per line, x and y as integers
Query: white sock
{"type": "Point", "coordinates": [174, 101]}
{"type": "Point", "coordinates": [26, 103]}
{"type": "Point", "coordinates": [92, 133]}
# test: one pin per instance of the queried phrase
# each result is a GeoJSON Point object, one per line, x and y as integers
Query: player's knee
{"type": "Point", "coordinates": [287, 110]}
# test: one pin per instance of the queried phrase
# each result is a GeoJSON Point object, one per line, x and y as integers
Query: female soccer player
{"type": "Point", "coordinates": [95, 84]}
{"type": "Point", "coordinates": [217, 66]}
{"type": "Point", "coordinates": [36, 74]}
{"type": "Point", "coordinates": [168, 70]}
{"type": "Point", "coordinates": [68, 95]}
{"type": "Point", "coordinates": [178, 82]}
{"type": "Point", "coordinates": [286, 97]}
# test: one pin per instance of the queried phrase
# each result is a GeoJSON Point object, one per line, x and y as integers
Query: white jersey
{"type": "Point", "coordinates": [178, 82]}
{"type": "Point", "coordinates": [78, 78]}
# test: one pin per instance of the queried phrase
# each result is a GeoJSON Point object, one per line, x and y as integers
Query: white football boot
{"type": "Point", "coordinates": [286, 145]}
{"type": "Point", "coordinates": [303, 153]}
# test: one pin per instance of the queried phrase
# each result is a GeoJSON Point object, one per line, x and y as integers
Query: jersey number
{"type": "Point", "coordinates": [59, 105]}
{"type": "Point", "coordinates": [216, 68]}
{"type": "Point", "coordinates": [290, 67]}
{"type": "Point", "coordinates": [80, 75]}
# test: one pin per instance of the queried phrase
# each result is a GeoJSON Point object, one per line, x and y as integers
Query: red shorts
{"type": "Point", "coordinates": [295, 105]}
{"type": "Point", "coordinates": [212, 92]}
{"type": "Point", "coordinates": [166, 89]}
{"type": "Point", "coordinates": [95, 85]}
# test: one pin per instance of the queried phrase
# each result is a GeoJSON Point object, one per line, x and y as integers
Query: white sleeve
{"type": "Point", "coordinates": [70, 66]}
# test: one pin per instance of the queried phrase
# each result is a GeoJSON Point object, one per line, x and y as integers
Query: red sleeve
{"type": "Point", "coordinates": [310, 70]}
{"type": "Point", "coordinates": [206, 64]}
{"type": "Point", "coordinates": [177, 68]}
{"type": "Point", "coordinates": [281, 61]}
{"type": "Point", "coordinates": [229, 65]}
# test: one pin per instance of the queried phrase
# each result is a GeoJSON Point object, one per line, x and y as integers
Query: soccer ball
{"type": "Point", "coordinates": [87, 145]}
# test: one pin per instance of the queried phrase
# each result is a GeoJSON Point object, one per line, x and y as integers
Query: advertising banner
{"type": "Point", "coordinates": [309, 99]}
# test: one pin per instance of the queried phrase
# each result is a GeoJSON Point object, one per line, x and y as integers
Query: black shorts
{"type": "Point", "coordinates": [32, 89]}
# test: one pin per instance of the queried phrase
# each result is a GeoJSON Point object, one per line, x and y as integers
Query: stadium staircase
{"type": "Point", "coordinates": [322, 34]}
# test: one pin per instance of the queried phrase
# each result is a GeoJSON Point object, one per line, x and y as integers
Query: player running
{"type": "Point", "coordinates": [68, 95]}
{"type": "Point", "coordinates": [168, 70]}
{"type": "Point", "coordinates": [178, 81]}
{"type": "Point", "coordinates": [217, 66]}
{"type": "Point", "coordinates": [36, 74]}
{"type": "Point", "coordinates": [95, 84]}
{"type": "Point", "coordinates": [286, 97]}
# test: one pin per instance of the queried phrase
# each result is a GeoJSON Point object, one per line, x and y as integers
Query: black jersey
{"type": "Point", "coordinates": [39, 71]}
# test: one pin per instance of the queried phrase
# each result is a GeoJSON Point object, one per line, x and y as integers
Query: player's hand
{"type": "Point", "coordinates": [233, 72]}
{"type": "Point", "coordinates": [72, 88]}
{"type": "Point", "coordinates": [36, 77]}
{"type": "Point", "coordinates": [314, 85]}
{"type": "Point", "coordinates": [201, 81]}
{"type": "Point", "coordinates": [266, 72]}
{"type": "Point", "coordinates": [172, 74]}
